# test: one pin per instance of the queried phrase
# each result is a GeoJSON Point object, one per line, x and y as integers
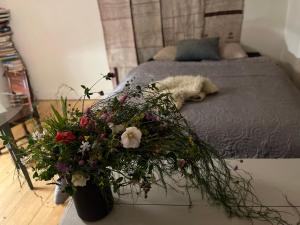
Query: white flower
{"type": "Point", "coordinates": [78, 180]}
{"type": "Point", "coordinates": [116, 128]}
{"type": "Point", "coordinates": [23, 160]}
{"type": "Point", "coordinates": [27, 161]}
{"type": "Point", "coordinates": [85, 146]}
{"type": "Point", "coordinates": [38, 135]}
{"type": "Point", "coordinates": [131, 138]}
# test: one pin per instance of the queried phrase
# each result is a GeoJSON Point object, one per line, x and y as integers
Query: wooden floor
{"type": "Point", "coordinates": [18, 204]}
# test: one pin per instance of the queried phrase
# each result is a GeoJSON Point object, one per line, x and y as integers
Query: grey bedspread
{"type": "Point", "coordinates": [256, 114]}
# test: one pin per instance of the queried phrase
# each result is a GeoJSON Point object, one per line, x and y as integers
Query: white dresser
{"type": "Point", "coordinates": [273, 178]}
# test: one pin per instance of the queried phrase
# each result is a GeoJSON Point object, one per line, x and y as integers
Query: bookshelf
{"type": "Point", "coordinates": [18, 85]}
{"type": "Point", "coordinates": [14, 68]}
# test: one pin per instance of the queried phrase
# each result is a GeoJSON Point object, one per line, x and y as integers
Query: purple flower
{"type": "Point", "coordinates": [151, 117]}
{"type": "Point", "coordinates": [122, 99]}
{"type": "Point", "coordinates": [102, 136]}
{"type": "Point", "coordinates": [62, 167]}
{"type": "Point", "coordinates": [107, 117]}
{"type": "Point", "coordinates": [81, 162]}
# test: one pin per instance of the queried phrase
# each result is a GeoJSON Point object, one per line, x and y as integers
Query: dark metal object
{"type": "Point", "coordinates": [5, 129]}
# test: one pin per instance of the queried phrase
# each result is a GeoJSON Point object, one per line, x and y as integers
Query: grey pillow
{"type": "Point", "coordinates": [198, 49]}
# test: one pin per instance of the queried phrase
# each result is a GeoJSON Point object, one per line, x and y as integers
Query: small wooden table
{"type": "Point", "coordinates": [5, 119]}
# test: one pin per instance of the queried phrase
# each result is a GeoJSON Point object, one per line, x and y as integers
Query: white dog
{"type": "Point", "coordinates": [187, 87]}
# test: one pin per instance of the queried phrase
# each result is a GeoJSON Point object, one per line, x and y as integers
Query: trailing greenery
{"type": "Point", "coordinates": [138, 138]}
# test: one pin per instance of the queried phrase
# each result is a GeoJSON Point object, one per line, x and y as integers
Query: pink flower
{"type": "Point", "coordinates": [102, 136]}
{"type": "Point", "coordinates": [151, 117]}
{"type": "Point", "coordinates": [84, 121]}
{"type": "Point", "coordinates": [88, 111]}
{"type": "Point", "coordinates": [181, 163]}
{"type": "Point", "coordinates": [81, 162]}
{"type": "Point", "coordinates": [123, 98]}
{"type": "Point", "coordinates": [65, 137]}
{"type": "Point", "coordinates": [107, 117]}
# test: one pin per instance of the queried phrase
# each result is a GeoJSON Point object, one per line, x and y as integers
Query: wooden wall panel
{"type": "Point", "coordinates": [227, 27]}
{"type": "Point", "coordinates": [223, 18]}
{"type": "Point", "coordinates": [223, 5]}
{"type": "Point", "coordinates": [182, 20]}
{"type": "Point", "coordinates": [147, 28]}
{"type": "Point", "coordinates": [119, 36]}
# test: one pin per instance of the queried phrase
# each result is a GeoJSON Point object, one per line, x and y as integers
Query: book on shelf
{"type": "Point", "coordinates": [6, 44]}
{"type": "Point", "coordinates": [4, 19]}
{"type": "Point", "coordinates": [5, 33]}
{"type": "Point", "coordinates": [8, 58]}
{"type": "Point", "coordinates": [6, 49]}
{"type": "Point", "coordinates": [3, 10]}
{"type": "Point", "coordinates": [4, 27]}
{"type": "Point", "coordinates": [5, 15]}
{"type": "Point", "coordinates": [14, 63]}
{"type": "Point", "coordinates": [16, 69]}
{"type": "Point", "coordinates": [14, 66]}
{"type": "Point", "coordinates": [5, 38]}
{"type": "Point", "coordinates": [13, 54]}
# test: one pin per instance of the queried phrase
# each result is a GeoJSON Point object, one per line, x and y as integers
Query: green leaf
{"type": "Point", "coordinates": [57, 115]}
{"type": "Point", "coordinates": [150, 169]}
{"type": "Point", "coordinates": [64, 107]}
{"type": "Point", "coordinates": [35, 175]}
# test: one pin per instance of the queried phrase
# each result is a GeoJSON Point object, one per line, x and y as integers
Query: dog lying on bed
{"type": "Point", "coordinates": [187, 88]}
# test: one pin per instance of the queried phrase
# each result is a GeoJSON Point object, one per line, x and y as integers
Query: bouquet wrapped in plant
{"type": "Point", "coordinates": [137, 137]}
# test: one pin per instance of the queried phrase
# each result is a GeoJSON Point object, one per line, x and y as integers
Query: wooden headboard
{"type": "Point", "coordinates": [134, 30]}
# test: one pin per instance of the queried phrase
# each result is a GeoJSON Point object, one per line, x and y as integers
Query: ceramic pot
{"type": "Point", "coordinates": [93, 203]}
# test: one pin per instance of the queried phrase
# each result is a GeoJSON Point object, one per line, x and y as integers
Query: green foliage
{"type": "Point", "coordinates": [87, 91]}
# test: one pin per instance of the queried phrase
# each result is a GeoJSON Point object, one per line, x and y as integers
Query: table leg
{"type": "Point", "coordinates": [14, 154]}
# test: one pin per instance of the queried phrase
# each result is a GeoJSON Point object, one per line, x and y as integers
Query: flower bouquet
{"type": "Point", "coordinates": [135, 138]}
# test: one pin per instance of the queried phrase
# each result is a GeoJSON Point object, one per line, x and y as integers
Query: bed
{"type": "Point", "coordinates": [256, 114]}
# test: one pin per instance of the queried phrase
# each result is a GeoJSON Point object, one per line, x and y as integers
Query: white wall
{"type": "Point", "coordinates": [291, 54]}
{"type": "Point", "coordinates": [61, 43]}
{"type": "Point", "coordinates": [263, 26]}
{"type": "Point", "coordinates": [272, 27]}
{"type": "Point", "coordinates": [292, 28]}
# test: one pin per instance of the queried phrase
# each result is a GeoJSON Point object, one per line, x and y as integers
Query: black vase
{"type": "Point", "coordinates": [93, 203]}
